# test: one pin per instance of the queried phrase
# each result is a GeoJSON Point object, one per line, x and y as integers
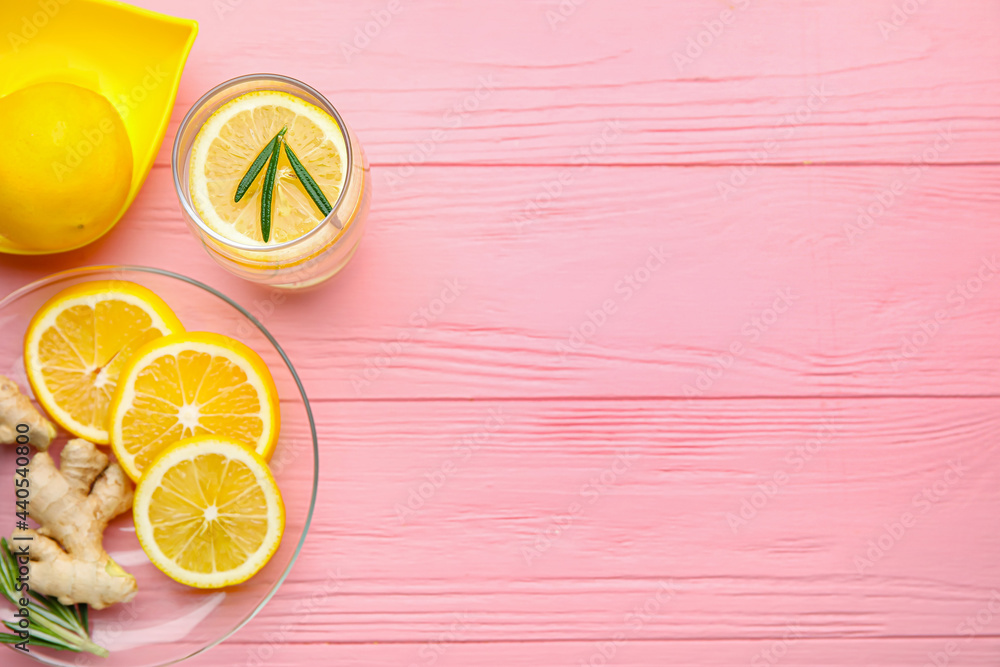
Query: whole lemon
{"type": "Point", "coordinates": [65, 166]}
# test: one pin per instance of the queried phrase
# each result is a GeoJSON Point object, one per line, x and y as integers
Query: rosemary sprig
{"type": "Point", "coordinates": [51, 624]}
{"type": "Point", "coordinates": [270, 154]}
{"type": "Point", "coordinates": [267, 196]}
{"type": "Point", "coordinates": [255, 167]}
{"type": "Point", "coordinates": [322, 203]}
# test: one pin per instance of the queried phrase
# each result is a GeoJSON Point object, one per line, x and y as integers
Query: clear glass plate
{"type": "Point", "coordinates": [168, 622]}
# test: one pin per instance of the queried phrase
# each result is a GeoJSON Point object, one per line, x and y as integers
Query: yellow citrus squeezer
{"type": "Point", "coordinates": [132, 56]}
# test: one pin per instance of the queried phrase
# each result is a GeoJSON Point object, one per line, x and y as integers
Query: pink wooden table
{"type": "Point", "coordinates": [699, 323]}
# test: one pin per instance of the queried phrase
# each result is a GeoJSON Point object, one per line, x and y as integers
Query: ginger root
{"type": "Point", "coordinates": [73, 507]}
{"type": "Point", "coordinates": [16, 408]}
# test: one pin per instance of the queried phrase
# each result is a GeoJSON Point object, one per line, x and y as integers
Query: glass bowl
{"type": "Point", "coordinates": [168, 622]}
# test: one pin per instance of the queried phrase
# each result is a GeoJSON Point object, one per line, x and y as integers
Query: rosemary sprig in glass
{"type": "Point", "coordinates": [308, 183]}
{"type": "Point", "coordinates": [51, 624]}
{"type": "Point", "coordinates": [270, 155]}
{"type": "Point", "coordinates": [255, 167]}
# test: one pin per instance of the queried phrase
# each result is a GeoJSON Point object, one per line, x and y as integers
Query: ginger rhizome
{"type": "Point", "coordinates": [16, 408]}
{"type": "Point", "coordinates": [73, 505]}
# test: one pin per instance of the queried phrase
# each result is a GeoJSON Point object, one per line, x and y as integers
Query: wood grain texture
{"type": "Point", "coordinates": [978, 652]}
{"type": "Point", "coordinates": [552, 520]}
{"type": "Point", "coordinates": [558, 83]}
{"type": "Point", "coordinates": [863, 295]}
{"type": "Point", "coordinates": [493, 551]}
{"type": "Point", "coordinates": [788, 388]}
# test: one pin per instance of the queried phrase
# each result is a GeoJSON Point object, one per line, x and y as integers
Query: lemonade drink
{"type": "Point", "coordinates": [284, 239]}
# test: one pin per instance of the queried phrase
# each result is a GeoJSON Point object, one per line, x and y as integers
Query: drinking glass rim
{"type": "Point", "coordinates": [183, 195]}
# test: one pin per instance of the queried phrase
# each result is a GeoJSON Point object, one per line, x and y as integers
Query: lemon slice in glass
{"type": "Point", "coordinates": [231, 139]}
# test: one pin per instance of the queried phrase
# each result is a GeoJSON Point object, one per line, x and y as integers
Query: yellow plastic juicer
{"type": "Point", "coordinates": [132, 56]}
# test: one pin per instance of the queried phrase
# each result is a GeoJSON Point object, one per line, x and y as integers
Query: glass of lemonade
{"type": "Point", "coordinates": [291, 243]}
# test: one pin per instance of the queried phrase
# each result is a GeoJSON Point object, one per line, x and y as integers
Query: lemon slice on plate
{"type": "Point", "coordinates": [232, 138]}
{"type": "Point", "coordinates": [191, 384]}
{"type": "Point", "coordinates": [78, 342]}
{"type": "Point", "coordinates": [208, 512]}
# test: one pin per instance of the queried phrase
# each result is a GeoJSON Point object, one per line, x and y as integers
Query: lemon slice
{"type": "Point", "coordinates": [231, 139]}
{"type": "Point", "coordinates": [191, 384]}
{"type": "Point", "coordinates": [78, 342]}
{"type": "Point", "coordinates": [208, 513]}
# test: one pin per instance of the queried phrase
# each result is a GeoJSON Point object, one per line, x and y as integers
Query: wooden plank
{"type": "Point", "coordinates": [653, 556]}
{"type": "Point", "coordinates": [493, 538]}
{"type": "Point", "coordinates": [977, 652]}
{"type": "Point", "coordinates": [732, 518]}
{"type": "Point", "coordinates": [261, 644]}
{"type": "Point", "coordinates": [863, 294]}
{"type": "Point", "coordinates": [415, 92]}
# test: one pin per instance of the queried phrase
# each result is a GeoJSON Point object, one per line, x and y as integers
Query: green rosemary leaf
{"type": "Point", "coordinates": [56, 618]}
{"type": "Point", "coordinates": [255, 167]}
{"type": "Point", "coordinates": [83, 616]}
{"type": "Point", "coordinates": [51, 623]}
{"type": "Point", "coordinates": [35, 641]}
{"type": "Point", "coordinates": [267, 194]}
{"type": "Point", "coordinates": [65, 616]}
{"type": "Point", "coordinates": [39, 637]}
{"type": "Point", "coordinates": [322, 203]}
{"type": "Point", "coordinates": [53, 605]}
